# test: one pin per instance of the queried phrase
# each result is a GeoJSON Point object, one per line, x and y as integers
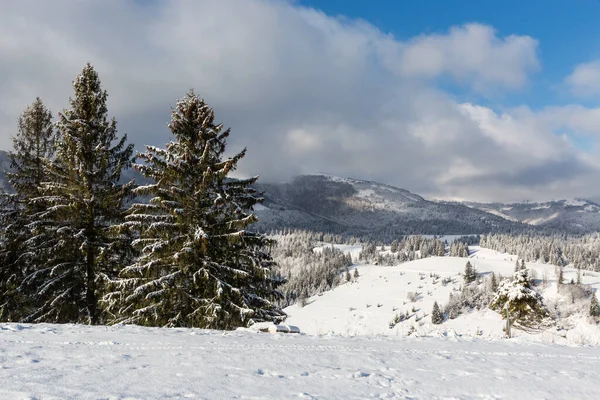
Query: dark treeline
{"type": "Point", "coordinates": [581, 251]}
{"type": "Point", "coordinates": [409, 248]}
{"type": "Point", "coordinates": [79, 246]}
{"type": "Point", "coordinates": [309, 264]}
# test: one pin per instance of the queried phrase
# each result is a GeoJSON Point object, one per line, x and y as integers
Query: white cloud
{"type": "Point", "coordinates": [305, 92]}
{"type": "Point", "coordinates": [585, 79]}
{"type": "Point", "coordinates": [472, 53]}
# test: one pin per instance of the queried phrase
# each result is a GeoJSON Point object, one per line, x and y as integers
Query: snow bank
{"type": "Point", "coordinates": [82, 362]}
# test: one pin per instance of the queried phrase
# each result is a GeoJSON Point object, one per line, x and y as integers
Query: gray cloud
{"type": "Point", "coordinates": [305, 92]}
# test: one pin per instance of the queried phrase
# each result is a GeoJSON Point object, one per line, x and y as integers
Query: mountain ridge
{"type": "Point", "coordinates": [367, 208]}
{"type": "Point", "coordinates": [350, 206]}
{"type": "Point", "coordinates": [572, 215]}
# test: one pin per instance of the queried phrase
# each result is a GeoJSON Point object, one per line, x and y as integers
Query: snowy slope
{"type": "Point", "coordinates": [81, 362]}
{"type": "Point", "coordinates": [367, 306]}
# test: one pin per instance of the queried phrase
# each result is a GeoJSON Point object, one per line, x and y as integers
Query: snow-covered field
{"type": "Point", "coordinates": [347, 350]}
{"type": "Point", "coordinates": [81, 362]}
{"type": "Point", "coordinates": [367, 306]}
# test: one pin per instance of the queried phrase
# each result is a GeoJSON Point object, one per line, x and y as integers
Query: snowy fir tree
{"type": "Point", "coordinates": [76, 252]}
{"type": "Point", "coordinates": [493, 283]}
{"type": "Point", "coordinates": [459, 249]}
{"type": "Point", "coordinates": [561, 277]}
{"type": "Point", "coordinates": [33, 147]}
{"type": "Point", "coordinates": [199, 266]}
{"type": "Point", "coordinates": [470, 273]}
{"type": "Point", "coordinates": [516, 301]}
{"type": "Point", "coordinates": [594, 306]}
{"type": "Point", "coordinates": [436, 314]}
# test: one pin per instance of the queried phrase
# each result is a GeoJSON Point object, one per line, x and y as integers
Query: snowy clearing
{"type": "Point", "coordinates": [129, 362]}
{"type": "Point", "coordinates": [347, 349]}
{"type": "Point", "coordinates": [367, 306]}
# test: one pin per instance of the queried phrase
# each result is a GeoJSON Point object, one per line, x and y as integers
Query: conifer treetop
{"type": "Point", "coordinates": [198, 265]}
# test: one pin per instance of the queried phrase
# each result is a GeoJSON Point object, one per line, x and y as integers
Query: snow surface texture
{"type": "Point", "coordinates": [464, 358]}
{"type": "Point", "coordinates": [129, 362]}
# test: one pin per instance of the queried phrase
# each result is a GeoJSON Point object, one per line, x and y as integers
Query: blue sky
{"type": "Point", "coordinates": [568, 32]}
{"type": "Point", "coordinates": [456, 99]}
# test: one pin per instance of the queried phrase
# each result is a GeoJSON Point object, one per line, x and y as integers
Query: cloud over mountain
{"type": "Point", "coordinates": [307, 92]}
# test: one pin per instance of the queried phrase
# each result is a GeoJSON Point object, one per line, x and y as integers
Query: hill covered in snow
{"type": "Point", "coordinates": [370, 303]}
{"type": "Point", "coordinates": [368, 209]}
{"type": "Point", "coordinates": [575, 215]}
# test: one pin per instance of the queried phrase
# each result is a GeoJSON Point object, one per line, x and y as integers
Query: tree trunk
{"type": "Point", "coordinates": [90, 294]}
{"type": "Point", "coordinates": [508, 323]}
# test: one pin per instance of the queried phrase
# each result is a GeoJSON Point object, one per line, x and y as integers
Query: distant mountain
{"type": "Point", "coordinates": [576, 215]}
{"type": "Point", "coordinates": [363, 208]}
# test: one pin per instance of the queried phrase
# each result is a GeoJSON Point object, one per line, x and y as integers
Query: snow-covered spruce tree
{"type": "Point", "coordinates": [77, 252]}
{"type": "Point", "coordinates": [493, 283]}
{"type": "Point", "coordinates": [516, 301]}
{"type": "Point", "coordinates": [459, 249]}
{"type": "Point", "coordinates": [33, 146]}
{"type": "Point", "coordinates": [594, 306]}
{"type": "Point", "coordinates": [561, 277]}
{"type": "Point", "coordinates": [470, 273]}
{"type": "Point", "coordinates": [198, 265]}
{"type": "Point", "coordinates": [436, 314]}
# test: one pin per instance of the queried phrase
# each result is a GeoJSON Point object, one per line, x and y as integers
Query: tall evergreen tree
{"type": "Point", "coordinates": [33, 146]}
{"type": "Point", "coordinates": [470, 273]}
{"type": "Point", "coordinates": [79, 252]}
{"type": "Point", "coordinates": [436, 314]}
{"type": "Point", "coordinates": [594, 306]}
{"type": "Point", "coordinates": [493, 283]}
{"type": "Point", "coordinates": [199, 265]}
{"type": "Point", "coordinates": [561, 277]}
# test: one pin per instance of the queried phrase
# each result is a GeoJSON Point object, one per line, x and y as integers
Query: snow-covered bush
{"type": "Point", "coordinates": [413, 296]}
{"type": "Point", "coordinates": [469, 297]}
